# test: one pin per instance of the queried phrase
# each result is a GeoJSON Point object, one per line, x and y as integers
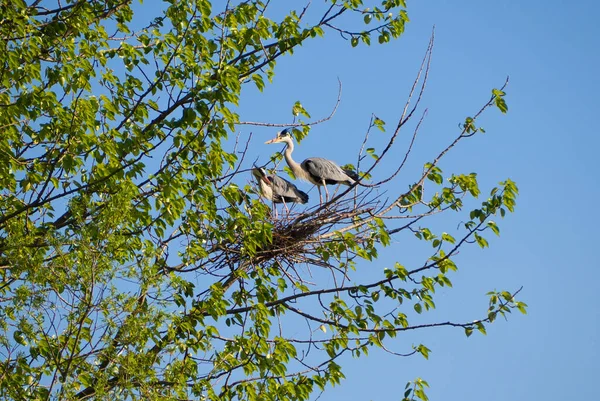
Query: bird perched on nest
{"type": "Point", "coordinates": [277, 189]}
{"type": "Point", "coordinates": [319, 171]}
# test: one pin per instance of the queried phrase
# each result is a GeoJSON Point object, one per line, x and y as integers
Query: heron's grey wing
{"type": "Point", "coordinates": [283, 190]}
{"type": "Point", "coordinates": [325, 170]}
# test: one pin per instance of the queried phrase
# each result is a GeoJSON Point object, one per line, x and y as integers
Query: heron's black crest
{"type": "Point", "coordinates": [284, 133]}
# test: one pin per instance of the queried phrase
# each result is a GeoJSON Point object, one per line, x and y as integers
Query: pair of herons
{"type": "Point", "coordinates": [319, 171]}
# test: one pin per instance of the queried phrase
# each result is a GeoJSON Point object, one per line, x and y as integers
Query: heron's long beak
{"type": "Point", "coordinates": [260, 174]}
{"type": "Point", "coordinates": [274, 140]}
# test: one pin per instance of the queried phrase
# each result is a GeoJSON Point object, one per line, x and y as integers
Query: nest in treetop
{"type": "Point", "coordinates": [296, 237]}
{"type": "Point", "coordinates": [298, 234]}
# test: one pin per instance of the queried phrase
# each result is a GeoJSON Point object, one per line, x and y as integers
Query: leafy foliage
{"type": "Point", "coordinates": [135, 262]}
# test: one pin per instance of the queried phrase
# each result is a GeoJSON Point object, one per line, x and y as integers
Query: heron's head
{"type": "Point", "coordinates": [282, 136]}
{"type": "Point", "coordinates": [261, 175]}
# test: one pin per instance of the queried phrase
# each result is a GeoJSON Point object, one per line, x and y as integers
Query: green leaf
{"type": "Point", "coordinates": [189, 115]}
{"type": "Point", "coordinates": [19, 338]}
{"type": "Point", "coordinates": [371, 151]}
{"type": "Point", "coordinates": [501, 104]}
{"type": "Point", "coordinates": [86, 379]}
{"type": "Point", "coordinates": [482, 242]}
{"type": "Point", "coordinates": [522, 306]}
{"type": "Point", "coordinates": [423, 350]}
{"type": "Point", "coordinates": [298, 109]}
{"type": "Point", "coordinates": [448, 238]}
{"type": "Point", "coordinates": [258, 81]}
{"type": "Point", "coordinates": [493, 227]}
{"type": "Point", "coordinates": [379, 123]}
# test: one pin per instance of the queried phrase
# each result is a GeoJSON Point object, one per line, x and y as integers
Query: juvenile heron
{"type": "Point", "coordinates": [319, 171]}
{"type": "Point", "coordinates": [277, 189]}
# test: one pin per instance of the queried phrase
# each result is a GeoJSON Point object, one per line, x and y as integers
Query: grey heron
{"type": "Point", "coordinates": [277, 189]}
{"type": "Point", "coordinates": [319, 171]}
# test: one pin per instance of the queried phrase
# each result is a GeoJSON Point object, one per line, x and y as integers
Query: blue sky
{"type": "Point", "coordinates": [547, 143]}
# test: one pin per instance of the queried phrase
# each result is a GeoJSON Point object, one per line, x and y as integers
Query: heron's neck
{"type": "Point", "coordinates": [295, 167]}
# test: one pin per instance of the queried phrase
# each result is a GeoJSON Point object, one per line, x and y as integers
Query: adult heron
{"type": "Point", "coordinates": [319, 171]}
{"type": "Point", "coordinates": [277, 189]}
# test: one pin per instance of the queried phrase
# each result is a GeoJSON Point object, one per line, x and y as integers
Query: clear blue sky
{"type": "Point", "coordinates": [547, 143]}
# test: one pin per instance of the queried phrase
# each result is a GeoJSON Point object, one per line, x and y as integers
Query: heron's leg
{"type": "Point", "coordinates": [320, 197]}
{"type": "Point", "coordinates": [285, 205]}
{"type": "Point", "coordinates": [326, 193]}
{"type": "Point", "coordinates": [274, 208]}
